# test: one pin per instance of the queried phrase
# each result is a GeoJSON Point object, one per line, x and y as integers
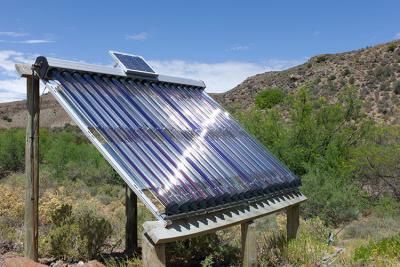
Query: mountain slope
{"type": "Point", "coordinates": [374, 71]}
{"type": "Point", "coordinates": [13, 114]}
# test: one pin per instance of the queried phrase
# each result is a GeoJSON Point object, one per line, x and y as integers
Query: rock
{"type": "Point", "coordinates": [59, 263]}
{"type": "Point", "coordinates": [92, 263]}
{"type": "Point", "coordinates": [21, 262]}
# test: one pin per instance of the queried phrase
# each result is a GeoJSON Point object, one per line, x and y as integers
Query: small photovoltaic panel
{"type": "Point", "coordinates": [133, 64]}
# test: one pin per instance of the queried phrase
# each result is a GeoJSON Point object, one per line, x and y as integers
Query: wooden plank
{"type": "Point", "coordinates": [249, 244]}
{"type": "Point", "coordinates": [152, 255]}
{"type": "Point", "coordinates": [24, 70]}
{"type": "Point", "coordinates": [293, 219]}
{"type": "Point", "coordinates": [131, 234]}
{"type": "Point", "coordinates": [31, 219]}
{"type": "Point", "coordinates": [195, 226]}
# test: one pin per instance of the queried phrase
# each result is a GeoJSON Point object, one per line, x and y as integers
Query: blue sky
{"type": "Point", "coordinates": [221, 42]}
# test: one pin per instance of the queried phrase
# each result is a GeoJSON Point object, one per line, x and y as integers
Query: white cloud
{"type": "Point", "coordinates": [239, 48]}
{"type": "Point", "coordinates": [397, 35]}
{"type": "Point", "coordinates": [11, 86]}
{"type": "Point", "coordinates": [218, 76]}
{"type": "Point", "coordinates": [12, 89]}
{"type": "Point", "coordinates": [138, 36]}
{"type": "Point", "coordinates": [30, 41]}
{"type": "Point", "coordinates": [36, 41]}
{"type": "Point", "coordinates": [13, 34]}
{"type": "Point", "coordinates": [222, 76]}
{"type": "Point", "coordinates": [8, 58]}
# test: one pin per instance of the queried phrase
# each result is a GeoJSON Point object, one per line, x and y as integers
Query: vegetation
{"type": "Point", "coordinates": [77, 236]}
{"type": "Point", "coordinates": [348, 165]}
{"type": "Point", "coordinates": [269, 98]}
{"type": "Point", "coordinates": [334, 148]}
{"type": "Point", "coordinates": [388, 248]}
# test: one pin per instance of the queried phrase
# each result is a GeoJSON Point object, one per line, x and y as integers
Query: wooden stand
{"type": "Point", "coordinates": [293, 217]}
{"type": "Point", "coordinates": [131, 234]}
{"type": "Point", "coordinates": [152, 255]}
{"type": "Point", "coordinates": [157, 233]}
{"type": "Point", "coordinates": [249, 244]}
{"type": "Point", "coordinates": [31, 219]}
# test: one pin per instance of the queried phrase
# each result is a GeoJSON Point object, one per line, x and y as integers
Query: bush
{"type": "Point", "coordinates": [316, 140]}
{"type": "Point", "coordinates": [12, 144]}
{"type": "Point", "coordinates": [388, 248]}
{"type": "Point", "coordinates": [332, 77]}
{"type": "Point", "coordinates": [206, 249]}
{"type": "Point", "coordinates": [391, 47]}
{"type": "Point", "coordinates": [307, 249]}
{"type": "Point", "coordinates": [321, 58]}
{"type": "Point", "coordinates": [382, 72]}
{"type": "Point", "coordinates": [77, 236]}
{"type": "Point", "coordinates": [6, 118]}
{"type": "Point", "coordinates": [269, 98]}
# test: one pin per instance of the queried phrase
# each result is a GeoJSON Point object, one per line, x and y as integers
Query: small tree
{"type": "Point", "coordinates": [269, 98]}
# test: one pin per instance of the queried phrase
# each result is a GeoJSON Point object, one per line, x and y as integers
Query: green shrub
{"type": "Point", "coordinates": [65, 242]}
{"type": "Point", "coordinates": [272, 249]}
{"type": "Point", "coordinates": [321, 58]}
{"type": "Point", "coordinates": [204, 249]}
{"type": "Point", "coordinates": [391, 47]}
{"type": "Point", "coordinates": [94, 231]}
{"type": "Point", "coordinates": [12, 151]}
{"type": "Point", "coordinates": [388, 248]}
{"type": "Point", "coordinates": [308, 248]}
{"type": "Point", "coordinates": [382, 72]}
{"type": "Point", "coordinates": [316, 139]}
{"type": "Point", "coordinates": [346, 72]}
{"type": "Point", "coordinates": [6, 118]}
{"type": "Point", "coordinates": [77, 236]}
{"type": "Point", "coordinates": [332, 77]}
{"type": "Point", "coordinates": [269, 98]}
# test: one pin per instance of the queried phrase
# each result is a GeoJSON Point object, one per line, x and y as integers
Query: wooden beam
{"type": "Point", "coordinates": [249, 244]}
{"type": "Point", "coordinates": [31, 219]}
{"type": "Point", "coordinates": [293, 218]}
{"type": "Point", "coordinates": [24, 70]}
{"type": "Point", "coordinates": [193, 226]}
{"type": "Point", "coordinates": [152, 255]}
{"type": "Point", "coordinates": [131, 233]}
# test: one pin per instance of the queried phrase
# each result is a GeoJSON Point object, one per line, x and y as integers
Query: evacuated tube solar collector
{"type": "Point", "coordinates": [166, 135]}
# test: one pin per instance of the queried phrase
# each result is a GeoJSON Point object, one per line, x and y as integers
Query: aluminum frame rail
{"type": "Point", "coordinates": [170, 138]}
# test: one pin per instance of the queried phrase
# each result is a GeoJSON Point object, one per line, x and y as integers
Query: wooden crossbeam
{"type": "Point", "coordinates": [161, 233]}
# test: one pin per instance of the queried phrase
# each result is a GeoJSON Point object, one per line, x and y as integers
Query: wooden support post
{"type": "Point", "coordinates": [31, 219]}
{"type": "Point", "coordinates": [292, 224]}
{"type": "Point", "coordinates": [131, 234]}
{"type": "Point", "coordinates": [152, 255]}
{"type": "Point", "coordinates": [249, 244]}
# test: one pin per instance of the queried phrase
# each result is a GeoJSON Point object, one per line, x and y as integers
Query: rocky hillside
{"type": "Point", "coordinates": [374, 71]}
{"type": "Point", "coordinates": [13, 114]}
